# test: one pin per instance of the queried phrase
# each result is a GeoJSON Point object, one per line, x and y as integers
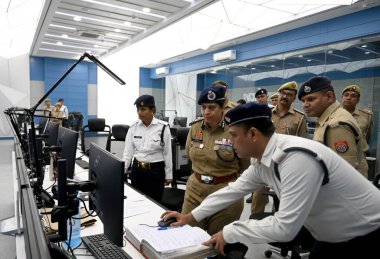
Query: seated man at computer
{"type": "Point", "coordinates": [318, 189]}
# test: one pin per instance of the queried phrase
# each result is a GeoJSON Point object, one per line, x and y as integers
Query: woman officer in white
{"type": "Point", "coordinates": [148, 143]}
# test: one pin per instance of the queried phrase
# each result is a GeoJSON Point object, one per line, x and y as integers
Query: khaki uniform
{"type": "Point", "coordinates": [228, 105]}
{"type": "Point", "coordinates": [292, 123]}
{"type": "Point", "coordinates": [337, 129]}
{"type": "Point", "coordinates": [365, 121]}
{"type": "Point", "coordinates": [211, 155]}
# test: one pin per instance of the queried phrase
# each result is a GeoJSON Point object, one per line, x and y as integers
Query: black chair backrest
{"type": "Point", "coordinates": [181, 135]}
{"type": "Point", "coordinates": [96, 124]}
{"type": "Point", "coordinates": [119, 131]}
{"type": "Point", "coordinates": [75, 121]}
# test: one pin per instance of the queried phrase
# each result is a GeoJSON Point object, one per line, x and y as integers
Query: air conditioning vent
{"type": "Point", "coordinates": [225, 56]}
{"type": "Point", "coordinates": [90, 35]}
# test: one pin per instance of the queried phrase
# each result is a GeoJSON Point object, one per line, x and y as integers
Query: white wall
{"type": "Point", "coordinates": [15, 88]}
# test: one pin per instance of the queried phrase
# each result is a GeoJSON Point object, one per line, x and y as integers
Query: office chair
{"type": "Point", "coordinates": [75, 121]}
{"type": "Point", "coordinates": [302, 243]}
{"type": "Point", "coordinates": [118, 133]}
{"type": "Point", "coordinates": [173, 197]}
{"type": "Point", "coordinates": [94, 125]}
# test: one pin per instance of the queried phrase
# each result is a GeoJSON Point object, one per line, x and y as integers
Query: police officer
{"type": "Point", "coordinates": [317, 189]}
{"type": "Point", "coordinates": [336, 128]}
{"type": "Point", "coordinates": [274, 99]}
{"type": "Point", "coordinates": [228, 105]}
{"type": "Point", "coordinates": [214, 162]}
{"type": "Point", "coordinates": [261, 96]}
{"type": "Point", "coordinates": [350, 98]}
{"type": "Point", "coordinates": [148, 143]}
{"type": "Point", "coordinates": [286, 120]}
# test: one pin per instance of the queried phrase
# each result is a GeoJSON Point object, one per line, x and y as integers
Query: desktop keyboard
{"type": "Point", "coordinates": [82, 163]}
{"type": "Point", "coordinates": [101, 247]}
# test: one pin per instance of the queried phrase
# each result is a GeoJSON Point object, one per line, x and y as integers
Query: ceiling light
{"type": "Point", "coordinates": [96, 46]}
{"type": "Point", "coordinates": [227, 68]}
{"type": "Point", "coordinates": [253, 68]}
{"type": "Point", "coordinates": [364, 46]}
{"type": "Point", "coordinates": [367, 52]}
{"type": "Point", "coordinates": [61, 51]}
{"type": "Point", "coordinates": [77, 18]}
{"type": "Point", "coordinates": [272, 65]}
{"type": "Point", "coordinates": [117, 30]}
{"type": "Point", "coordinates": [124, 8]}
{"type": "Point", "coordinates": [71, 46]}
{"type": "Point", "coordinates": [330, 51]}
{"type": "Point", "coordinates": [63, 27]}
{"type": "Point", "coordinates": [82, 40]}
{"type": "Point", "coordinates": [65, 36]}
{"type": "Point", "coordinates": [117, 36]}
{"type": "Point", "coordinates": [146, 10]}
{"type": "Point", "coordinates": [127, 23]}
{"type": "Point", "coordinates": [308, 60]}
{"type": "Point", "coordinates": [59, 43]}
{"type": "Point", "coordinates": [99, 20]}
{"type": "Point", "coordinates": [89, 51]}
{"type": "Point", "coordinates": [300, 56]}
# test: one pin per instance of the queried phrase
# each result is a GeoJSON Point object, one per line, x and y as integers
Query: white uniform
{"type": "Point", "coordinates": [65, 111]}
{"type": "Point", "coordinates": [346, 207]}
{"type": "Point", "coordinates": [144, 143]}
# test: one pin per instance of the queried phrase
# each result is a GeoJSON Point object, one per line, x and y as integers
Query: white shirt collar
{"type": "Point", "coordinates": [269, 150]}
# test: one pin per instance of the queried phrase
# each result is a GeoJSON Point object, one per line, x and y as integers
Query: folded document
{"type": "Point", "coordinates": [172, 242]}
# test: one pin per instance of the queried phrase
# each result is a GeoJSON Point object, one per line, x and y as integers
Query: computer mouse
{"type": "Point", "coordinates": [166, 223]}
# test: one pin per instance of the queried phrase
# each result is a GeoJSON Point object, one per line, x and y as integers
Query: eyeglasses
{"type": "Point", "coordinates": [286, 94]}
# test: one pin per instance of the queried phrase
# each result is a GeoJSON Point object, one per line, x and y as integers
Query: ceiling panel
{"type": "Point", "coordinates": [68, 28]}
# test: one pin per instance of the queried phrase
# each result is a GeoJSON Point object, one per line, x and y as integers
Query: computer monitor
{"type": "Point", "coordinates": [107, 171]}
{"type": "Point", "coordinates": [181, 121]}
{"type": "Point", "coordinates": [68, 140]}
{"type": "Point", "coordinates": [52, 132]}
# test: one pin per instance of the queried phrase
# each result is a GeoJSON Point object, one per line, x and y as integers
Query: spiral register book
{"type": "Point", "coordinates": [172, 242]}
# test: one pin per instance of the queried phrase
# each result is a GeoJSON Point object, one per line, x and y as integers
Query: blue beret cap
{"type": "Point", "coordinates": [247, 112]}
{"type": "Point", "coordinates": [261, 91]}
{"type": "Point", "coordinates": [145, 100]}
{"type": "Point", "coordinates": [314, 84]}
{"type": "Point", "coordinates": [212, 94]}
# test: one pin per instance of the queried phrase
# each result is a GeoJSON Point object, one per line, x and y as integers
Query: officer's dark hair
{"type": "Point", "coordinates": [219, 102]}
{"type": "Point", "coordinates": [328, 89]}
{"type": "Point", "coordinates": [149, 106]}
{"type": "Point", "coordinates": [264, 125]}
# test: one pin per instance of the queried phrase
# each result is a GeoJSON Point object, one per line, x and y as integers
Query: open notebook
{"type": "Point", "coordinates": [177, 242]}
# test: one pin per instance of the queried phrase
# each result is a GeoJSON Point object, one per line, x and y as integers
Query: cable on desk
{"type": "Point", "coordinates": [88, 213]}
{"type": "Point", "coordinates": [55, 180]}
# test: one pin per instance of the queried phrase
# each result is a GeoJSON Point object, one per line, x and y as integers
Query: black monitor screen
{"type": "Point", "coordinates": [107, 171]}
{"type": "Point", "coordinates": [181, 121]}
{"type": "Point", "coordinates": [68, 140]}
{"type": "Point", "coordinates": [52, 132]}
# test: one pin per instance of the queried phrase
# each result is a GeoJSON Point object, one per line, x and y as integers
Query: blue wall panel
{"type": "Point", "coordinates": [73, 89]}
{"type": "Point", "coordinates": [346, 27]}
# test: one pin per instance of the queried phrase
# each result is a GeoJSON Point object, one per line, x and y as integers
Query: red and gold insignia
{"type": "Point", "coordinates": [199, 135]}
{"type": "Point", "coordinates": [341, 146]}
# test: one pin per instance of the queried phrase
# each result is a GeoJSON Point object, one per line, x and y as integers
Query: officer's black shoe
{"type": "Point", "coordinates": [249, 200]}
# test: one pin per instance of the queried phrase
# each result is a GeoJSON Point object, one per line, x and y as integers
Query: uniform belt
{"type": "Point", "coordinates": [215, 179]}
{"type": "Point", "coordinates": [145, 165]}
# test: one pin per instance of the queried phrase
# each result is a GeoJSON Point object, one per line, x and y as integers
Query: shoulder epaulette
{"type": "Point", "coordinates": [196, 121]}
{"type": "Point", "coordinates": [368, 111]}
{"type": "Point", "coordinates": [163, 122]}
{"type": "Point", "coordinates": [299, 111]}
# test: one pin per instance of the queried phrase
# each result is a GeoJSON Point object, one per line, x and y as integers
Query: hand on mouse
{"type": "Point", "coordinates": [182, 219]}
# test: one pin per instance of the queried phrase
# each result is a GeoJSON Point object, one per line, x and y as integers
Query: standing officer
{"type": "Point", "coordinates": [261, 96]}
{"type": "Point", "coordinates": [317, 189]}
{"type": "Point", "coordinates": [336, 128]}
{"type": "Point", "coordinates": [214, 162]}
{"type": "Point", "coordinates": [148, 141]}
{"type": "Point", "coordinates": [288, 121]}
{"type": "Point", "coordinates": [350, 98]}
{"type": "Point", "coordinates": [228, 105]}
{"type": "Point", "coordinates": [274, 99]}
